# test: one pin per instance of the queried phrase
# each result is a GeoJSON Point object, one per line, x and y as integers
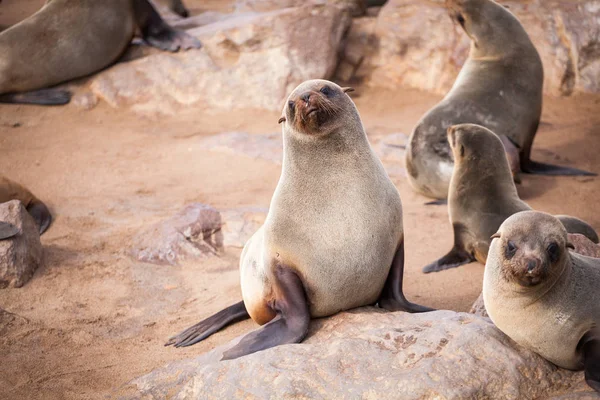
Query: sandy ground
{"type": "Point", "coordinates": [91, 319]}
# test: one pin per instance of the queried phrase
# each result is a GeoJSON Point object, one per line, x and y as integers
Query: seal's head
{"type": "Point", "coordinates": [475, 144]}
{"type": "Point", "coordinates": [531, 247]}
{"type": "Point", "coordinates": [491, 27]}
{"type": "Point", "coordinates": [316, 108]}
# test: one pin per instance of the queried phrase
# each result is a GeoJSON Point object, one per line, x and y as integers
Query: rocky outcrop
{"type": "Point", "coordinates": [418, 45]}
{"type": "Point", "coordinates": [371, 354]}
{"type": "Point", "coordinates": [20, 255]}
{"type": "Point", "coordinates": [248, 60]}
{"type": "Point", "coordinates": [195, 232]}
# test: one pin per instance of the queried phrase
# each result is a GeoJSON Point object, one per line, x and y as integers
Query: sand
{"type": "Point", "coordinates": [92, 319]}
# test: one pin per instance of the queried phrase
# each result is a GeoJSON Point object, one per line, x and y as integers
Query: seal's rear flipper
{"type": "Point", "coordinates": [590, 347]}
{"type": "Point", "coordinates": [537, 168]}
{"type": "Point", "coordinates": [207, 327]}
{"type": "Point", "coordinates": [289, 326]}
{"type": "Point", "coordinates": [455, 258]}
{"type": "Point", "coordinates": [156, 32]}
{"type": "Point", "coordinates": [43, 97]}
{"type": "Point", "coordinates": [7, 230]}
{"type": "Point", "coordinates": [40, 214]}
{"type": "Point", "coordinates": [392, 297]}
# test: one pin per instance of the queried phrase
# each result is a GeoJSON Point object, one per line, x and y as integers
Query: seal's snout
{"type": "Point", "coordinates": [532, 264]}
{"type": "Point", "coordinates": [532, 271]}
{"type": "Point", "coordinates": [306, 98]}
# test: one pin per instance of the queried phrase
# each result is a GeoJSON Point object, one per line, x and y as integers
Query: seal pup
{"type": "Point", "coordinates": [499, 87]}
{"type": "Point", "coordinates": [544, 296]}
{"type": "Point", "coordinates": [68, 39]}
{"type": "Point", "coordinates": [482, 195]}
{"type": "Point", "coordinates": [10, 190]}
{"type": "Point", "coordinates": [333, 238]}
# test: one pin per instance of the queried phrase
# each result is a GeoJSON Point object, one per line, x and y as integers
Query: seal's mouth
{"type": "Point", "coordinates": [311, 110]}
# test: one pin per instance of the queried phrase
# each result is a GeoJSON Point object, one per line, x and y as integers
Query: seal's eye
{"type": "Point", "coordinates": [326, 90]}
{"type": "Point", "coordinates": [553, 251]}
{"type": "Point", "coordinates": [291, 104]}
{"type": "Point", "coordinates": [511, 249]}
{"type": "Point", "coordinates": [461, 20]}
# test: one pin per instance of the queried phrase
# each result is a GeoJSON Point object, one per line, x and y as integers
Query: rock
{"type": "Point", "coordinates": [85, 101]}
{"type": "Point", "coordinates": [584, 246]}
{"type": "Point", "coordinates": [360, 44]}
{"type": "Point", "coordinates": [372, 354]}
{"type": "Point", "coordinates": [478, 308]}
{"type": "Point", "coordinates": [195, 232]}
{"type": "Point", "coordinates": [248, 60]}
{"type": "Point", "coordinates": [419, 45]}
{"type": "Point", "coordinates": [241, 224]}
{"type": "Point", "coordinates": [22, 254]}
{"type": "Point", "coordinates": [355, 7]}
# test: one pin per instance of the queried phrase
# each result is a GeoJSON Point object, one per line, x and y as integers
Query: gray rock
{"type": "Point", "coordinates": [21, 254]}
{"type": "Point", "coordinates": [195, 232]}
{"type": "Point", "coordinates": [248, 60]}
{"type": "Point", "coordinates": [241, 223]}
{"type": "Point", "coordinates": [371, 354]}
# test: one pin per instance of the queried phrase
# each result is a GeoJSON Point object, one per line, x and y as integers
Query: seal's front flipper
{"type": "Point", "coordinates": [289, 326]}
{"type": "Point", "coordinates": [43, 97]}
{"type": "Point", "coordinates": [156, 32]}
{"type": "Point", "coordinates": [537, 168]}
{"type": "Point", "coordinates": [455, 258]}
{"type": "Point", "coordinates": [210, 325]}
{"type": "Point", "coordinates": [590, 347]}
{"type": "Point", "coordinates": [7, 230]}
{"type": "Point", "coordinates": [40, 214]}
{"type": "Point", "coordinates": [392, 297]}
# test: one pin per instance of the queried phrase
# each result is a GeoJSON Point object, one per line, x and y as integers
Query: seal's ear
{"type": "Point", "coordinates": [347, 89]}
{"type": "Point", "coordinates": [282, 119]}
{"type": "Point", "coordinates": [495, 235]}
{"type": "Point", "coordinates": [570, 246]}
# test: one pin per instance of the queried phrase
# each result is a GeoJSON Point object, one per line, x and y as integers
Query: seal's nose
{"type": "Point", "coordinates": [306, 97]}
{"type": "Point", "coordinates": [532, 264]}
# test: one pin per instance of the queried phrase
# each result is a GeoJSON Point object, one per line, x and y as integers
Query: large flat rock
{"type": "Point", "coordinates": [371, 354]}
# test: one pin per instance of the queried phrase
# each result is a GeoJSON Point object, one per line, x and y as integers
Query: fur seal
{"type": "Point", "coordinates": [542, 295]}
{"type": "Point", "coordinates": [482, 195]}
{"type": "Point", "coordinates": [68, 39]}
{"type": "Point", "coordinates": [333, 238]}
{"type": "Point", "coordinates": [499, 87]}
{"type": "Point", "coordinates": [10, 190]}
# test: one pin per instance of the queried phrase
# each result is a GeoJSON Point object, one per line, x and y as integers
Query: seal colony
{"type": "Point", "coordinates": [482, 195]}
{"type": "Point", "coordinates": [333, 238]}
{"type": "Point", "coordinates": [498, 87]}
{"type": "Point", "coordinates": [68, 39]}
{"type": "Point", "coordinates": [543, 296]}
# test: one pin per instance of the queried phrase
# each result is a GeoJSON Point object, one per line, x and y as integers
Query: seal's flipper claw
{"type": "Point", "coordinates": [289, 326]}
{"type": "Point", "coordinates": [42, 97]}
{"type": "Point", "coordinates": [7, 230]}
{"type": "Point", "coordinates": [392, 297]}
{"type": "Point", "coordinates": [210, 325]}
{"type": "Point", "coordinates": [40, 214]}
{"type": "Point", "coordinates": [537, 168]}
{"type": "Point", "coordinates": [455, 258]}
{"type": "Point", "coordinates": [156, 32]}
{"type": "Point", "coordinates": [590, 347]}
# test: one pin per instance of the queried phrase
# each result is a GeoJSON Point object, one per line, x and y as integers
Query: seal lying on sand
{"type": "Point", "coordinates": [543, 296]}
{"type": "Point", "coordinates": [499, 87]}
{"type": "Point", "coordinates": [333, 238]}
{"type": "Point", "coordinates": [482, 195]}
{"type": "Point", "coordinates": [68, 39]}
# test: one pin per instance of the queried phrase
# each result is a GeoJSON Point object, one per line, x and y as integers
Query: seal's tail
{"type": "Point", "coordinates": [538, 168]}
{"type": "Point", "coordinates": [43, 97]}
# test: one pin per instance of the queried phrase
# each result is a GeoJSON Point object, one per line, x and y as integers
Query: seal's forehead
{"type": "Point", "coordinates": [314, 84]}
{"type": "Point", "coordinates": [533, 221]}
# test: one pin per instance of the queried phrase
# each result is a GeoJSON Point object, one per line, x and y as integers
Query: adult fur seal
{"type": "Point", "coordinates": [542, 295]}
{"type": "Point", "coordinates": [10, 190]}
{"type": "Point", "coordinates": [499, 87]}
{"type": "Point", "coordinates": [333, 238]}
{"type": "Point", "coordinates": [68, 39]}
{"type": "Point", "coordinates": [482, 195]}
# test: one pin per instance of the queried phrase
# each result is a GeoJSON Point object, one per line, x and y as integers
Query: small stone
{"type": "Point", "coordinates": [21, 254]}
{"type": "Point", "coordinates": [85, 101]}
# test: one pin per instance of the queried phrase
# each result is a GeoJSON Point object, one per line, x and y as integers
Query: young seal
{"type": "Point", "coordinates": [10, 190]}
{"type": "Point", "coordinates": [333, 239]}
{"type": "Point", "coordinates": [499, 87]}
{"type": "Point", "coordinates": [542, 295]}
{"type": "Point", "coordinates": [482, 195]}
{"type": "Point", "coordinates": [68, 39]}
